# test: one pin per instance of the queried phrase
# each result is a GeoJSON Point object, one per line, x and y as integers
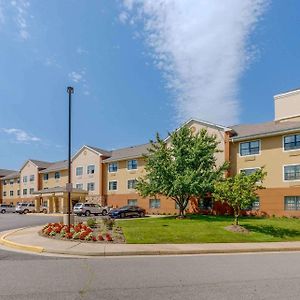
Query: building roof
{"type": "Point", "coordinates": [4, 172]}
{"type": "Point", "coordinates": [12, 175]}
{"type": "Point", "coordinates": [128, 153]}
{"type": "Point", "coordinates": [263, 129]}
{"type": "Point", "coordinates": [56, 166]}
{"type": "Point", "coordinates": [100, 151]}
{"type": "Point", "coordinates": [41, 164]}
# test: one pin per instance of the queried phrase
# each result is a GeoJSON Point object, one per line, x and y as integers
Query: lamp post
{"type": "Point", "coordinates": [70, 91]}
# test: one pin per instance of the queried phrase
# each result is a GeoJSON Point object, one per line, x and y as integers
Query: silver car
{"type": "Point", "coordinates": [88, 209]}
{"type": "Point", "coordinates": [24, 208]}
{"type": "Point", "coordinates": [7, 208]}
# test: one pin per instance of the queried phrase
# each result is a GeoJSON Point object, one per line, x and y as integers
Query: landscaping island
{"type": "Point", "coordinates": [170, 230]}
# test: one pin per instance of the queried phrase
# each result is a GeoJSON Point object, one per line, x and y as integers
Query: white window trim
{"type": "Point", "coordinates": [82, 171]}
{"type": "Point", "coordinates": [259, 153]}
{"type": "Point", "coordinates": [127, 184]}
{"type": "Point", "coordinates": [79, 184]}
{"type": "Point", "coordinates": [257, 168]}
{"type": "Point", "coordinates": [88, 185]}
{"type": "Point", "coordinates": [295, 180]}
{"type": "Point", "coordinates": [108, 185]}
{"type": "Point", "coordinates": [87, 169]}
{"type": "Point", "coordinates": [113, 172]}
{"type": "Point", "coordinates": [291, 150]}
{"type": "Point", "coordinates": [137, 164]}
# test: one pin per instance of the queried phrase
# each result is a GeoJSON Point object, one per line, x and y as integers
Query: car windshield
{"type": "Point", "coordinates": [78, 205]}
{"type": "Point", "coordinates": [125, 207]}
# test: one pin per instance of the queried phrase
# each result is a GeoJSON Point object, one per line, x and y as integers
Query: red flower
{"type": "Point", "coordinates": [100, 237]}
{"type": "Point", "coordinates": [108, 237]}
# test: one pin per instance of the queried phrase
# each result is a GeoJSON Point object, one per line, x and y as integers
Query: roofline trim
{"type": "Point", "coordinates": [278, 96]}
{"type": "Point", "coordinates": [268, 134]}
{"type": "Point", "coordinates": [108, 160]}
{"type": "Point", "coordinates": [85, 146]}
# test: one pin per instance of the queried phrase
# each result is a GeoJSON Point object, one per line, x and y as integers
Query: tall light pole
{"type": "Point", "coordinates": [70, 91]}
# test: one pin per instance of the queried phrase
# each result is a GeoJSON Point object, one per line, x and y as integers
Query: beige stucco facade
{"type": "Point", "coordinates": [53, 182]}
{"type": "Point", "coordinates": [10, 190]}
{"type": "Point", "coordinates": [28, 172]}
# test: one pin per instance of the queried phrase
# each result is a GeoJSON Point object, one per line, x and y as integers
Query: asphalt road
{"type": "Point", "coordinates": [245, 276]}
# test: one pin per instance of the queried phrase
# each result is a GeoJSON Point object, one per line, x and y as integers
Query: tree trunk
{"type": "Point", "coordinates": [236, 217]}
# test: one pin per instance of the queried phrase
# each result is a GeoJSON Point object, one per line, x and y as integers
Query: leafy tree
{"type": "Point", "coordinates": [239, 191]}
{"type": "Point", "coordinates": [182, 168]}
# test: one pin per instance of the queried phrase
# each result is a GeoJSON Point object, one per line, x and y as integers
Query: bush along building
{"type": "Point", "coordinates": [109, 177]}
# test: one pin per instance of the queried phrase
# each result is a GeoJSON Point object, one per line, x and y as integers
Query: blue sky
{"type": "Point", "coordinates": [138, 67]}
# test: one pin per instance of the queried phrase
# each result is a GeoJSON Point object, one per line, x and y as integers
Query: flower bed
{"type": "Point", "coordinates": [83, 233]}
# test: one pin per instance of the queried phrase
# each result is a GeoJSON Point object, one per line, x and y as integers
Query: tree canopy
{"type": "Point", "coordinates": [182, 167]}
{"type": "Point", "coordinates": [239, 191]}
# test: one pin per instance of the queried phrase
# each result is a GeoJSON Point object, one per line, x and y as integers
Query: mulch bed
{"type": "Point", "coordinates": [237, 229]}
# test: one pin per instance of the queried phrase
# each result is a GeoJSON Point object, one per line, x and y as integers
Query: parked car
{"type": "Point", "coordinates": [24, 208]}
{"type": "Point", "coordinates": [44, 209]}
{"type": "Point", "coordinates": [127, 211]}
{"type": "Point", "coordinates": [7, 208]}
{"type": "Point", "coordinates": [88, 209]}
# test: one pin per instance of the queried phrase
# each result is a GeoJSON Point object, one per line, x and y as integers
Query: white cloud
{"type": "Point", "coordinates": [77, 76]}
{"type": "Point", "coordinates": [123, 17]}
{"type": "Point", "coordinates": [201, 47]}
{"type": "Point", "coordinates": [20, 135]}
{"type": "Point", "coordinates": [21, 7]}
{"type": "Point", "coordinates": [81, 51]}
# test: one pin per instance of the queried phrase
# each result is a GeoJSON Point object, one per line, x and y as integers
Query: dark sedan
{"type": "Point", "coordinates": [127, 211]}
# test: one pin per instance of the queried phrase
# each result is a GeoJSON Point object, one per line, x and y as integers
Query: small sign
{"type": "Point", "coordinates": [69, 187]}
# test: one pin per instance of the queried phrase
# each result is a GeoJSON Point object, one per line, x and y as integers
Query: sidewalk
{"type": "Point", "coordinates": [29, 240]}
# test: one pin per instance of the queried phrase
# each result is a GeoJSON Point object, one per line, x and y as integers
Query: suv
{"type": "Point", "coordinates": [7, 208]}
{"type": "Point", "coordinates": [24, 208]}
{"type": "Point", "coordinates": [89, 208]}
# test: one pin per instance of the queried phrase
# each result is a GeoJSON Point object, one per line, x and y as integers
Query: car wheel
{"type": "Point", "coordinates": [142, 214]}
{"type": "Point", "coordinates": [87, 213]}
{"type": "Point", "coordinates": [26, 211]}
{"type": "Point", "coordinates": [3, 211]}
{"type": "Point", "coordinates": [44, 210]}
{"type": "Point", "coordinates": [104, 212]}
{"type": "Point", "coordinates": [122, 215]}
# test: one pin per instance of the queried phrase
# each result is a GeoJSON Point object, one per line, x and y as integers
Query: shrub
{"type": "Point", "coordinates": [91, 222]}
{"type": "Point", "coordinates": [100, 237]}
{"type": "Point", "coordinates": [108, 237]}
{"type": "Point", "coordinates": [76, 235]}
{"type": "Point", "coordinates": [109, 223]}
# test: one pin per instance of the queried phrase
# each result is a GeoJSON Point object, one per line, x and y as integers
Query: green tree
{"type": "Point", "coordinates": [239, 191]}
{"type": "Point", "coordinates": [181, 168]}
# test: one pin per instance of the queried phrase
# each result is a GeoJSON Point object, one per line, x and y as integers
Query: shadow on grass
{"type": "Point", "coordinates": [273, 231]}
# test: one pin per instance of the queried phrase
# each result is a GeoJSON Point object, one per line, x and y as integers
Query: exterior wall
{"type": "Point", "coordinates": [272, 201]}
{"type": "Point", "coordinates": [8, 188]}
{"type": "Point", "coordinates": [122, 176]}
{"type": "Point", "coordinates": [272, 157]}
{"type": "Point", "coordinates": [83, 159]}
{"type": "Point", "coordinates": [29, 169]}
{"type": "Point", "coordinates": [52, 182]}
{"type": "Point", "coordinates": [287, 105]}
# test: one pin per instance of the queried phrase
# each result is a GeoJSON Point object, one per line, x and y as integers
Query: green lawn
{"type": "Point", "coordinates": [208, 229]}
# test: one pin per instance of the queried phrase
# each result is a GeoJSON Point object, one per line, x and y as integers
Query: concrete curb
{"type": "Point", "coordinates": [10, 244]}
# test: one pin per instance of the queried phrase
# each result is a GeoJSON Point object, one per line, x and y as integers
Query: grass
{"type": "Point", "coordinates": [208, 229]}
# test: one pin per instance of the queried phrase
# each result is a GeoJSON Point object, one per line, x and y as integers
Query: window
{"type": "Point", "coordinates": [132, 202]}
{"type": "Point", "coordinates": [24, 191]}
{"type": "Point", "coordinates": [57, 175]}
{"type": "Point", "coordinates": [132, 164]}
{"type": "Point", "coordinates": [249, 171]}
{"type": "Point", "coordinates": [18, 192]}
{"type": "Point", "coordinates": [291, 142]}
{"type": "Point", "coordinates": [205, 203]}
{"type": "Point", "coordinates": [24, 179]}
{"type": "Point", "coordinates": [112, 167]}
{"type": "Point", "coordinates": [18, 180]}
{"type": "Point", "coordinates": [46, 176]}
{"type": "Point", "coordinates": [31, 191]}
{"type": "Point", "coordinates": [154, 203]}
{"type": "Point", "coordinates": [292, 203]}
{"type": "Point", "coordinates": [131, 184]}
{"type": "Point", "coordinates": [4, 194]}
{"type": "Point", "coordinates": [292, 172]}
{"type": "Point", "coordinates": [91, 169]}
{"type": "Point", "coordinates": [249, 148]}
{"type": "Point", "coordinates": [11, 193]}
{"type": "Point", "coordinates": [11, 182]}
{"type": "Point", "coordinates": [91, 186]}
{"type": "Point", "coordinates": [113, 185]}
{"type": "Point", "coordinates": [79, 186]}
{"type": "Point", "coordinates": [79, 171]}
{"type": "Point", "coordinates": [256, 204]}
{"type": "Point", "coordinates": [4, 182]}
{"type": "Point", "coordinates": [31, 178]}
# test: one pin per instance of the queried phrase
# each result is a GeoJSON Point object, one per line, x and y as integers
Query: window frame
{"type": "Point", "coordinates": [113, 163]}
{"type": "Point", "coordinates": [283, 142]}
{"type": "Point", "coordinates": [283, 173]}
{"type": "Point", "coordinates": [112, 181]}
{"type": "Point", "coordinates": [131, 160]}
{"type": "Point", "coordinates": [88, 172]}
{"type": "Point", "coordinates": [155, 207]}
{"type": "Point", "coordinates": [252, 168]}
{"type": "Point", "coordinates": [249, 142]}
{"type": "Point", "coordinates": [130, 180]}
{"type": "Point", "coordinates": [296, 204]}
{"type": "Point", "coordinates": [55, 177]}
{"type": "Point", "coordinates": [79, 167]}
{"type": "Point", "coordinates": [88, 185]}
